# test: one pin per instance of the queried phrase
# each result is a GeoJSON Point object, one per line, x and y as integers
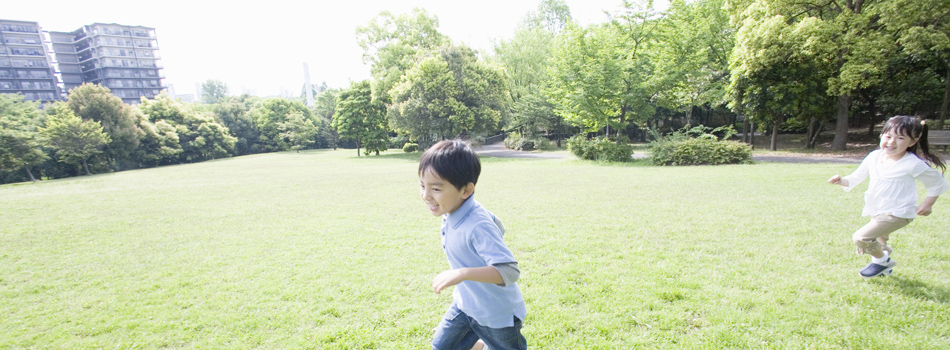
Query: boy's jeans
{"type": "Point", "coordinates": [459, 331]}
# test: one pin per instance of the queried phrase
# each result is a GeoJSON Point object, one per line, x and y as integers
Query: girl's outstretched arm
{"type": "Point", "coordinates": [837, 180]}
{"type": "Point", "coordinates": [926, 207]}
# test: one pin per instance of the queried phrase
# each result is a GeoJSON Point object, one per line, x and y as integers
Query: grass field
{"type": "Point", "coordinates": [324, 250]}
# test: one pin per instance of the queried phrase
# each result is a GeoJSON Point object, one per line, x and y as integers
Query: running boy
{"type": "Point", "coordinates": [486, 303]}
{"type": "Point", "coordinates": [891, 198]}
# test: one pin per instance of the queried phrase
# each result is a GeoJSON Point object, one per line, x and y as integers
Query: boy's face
{"type": "Point", "coordinates": [441, 196]}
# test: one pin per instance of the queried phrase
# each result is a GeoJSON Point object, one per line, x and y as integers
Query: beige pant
{"type": "Point", "coordinates": [872, 238]}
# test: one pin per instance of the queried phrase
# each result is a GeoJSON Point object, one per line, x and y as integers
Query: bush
{"type": "Point", "coordinates": [701, 151]}
{"type": "Point", "coordinates": [600, 148]}
{"type": "Point", "coordinates": [410, 147]}
{"type": "Point", "coordinates": [518, 142]}
{"type": "Point", "coordinates": [398, 141]}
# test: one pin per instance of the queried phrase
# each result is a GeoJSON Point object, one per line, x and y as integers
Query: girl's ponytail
{"type": "Point", "coordinates": [924, 147]}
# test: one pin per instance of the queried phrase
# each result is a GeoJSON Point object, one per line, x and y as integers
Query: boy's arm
{"type": "Point", "coordinates": [484, 274]}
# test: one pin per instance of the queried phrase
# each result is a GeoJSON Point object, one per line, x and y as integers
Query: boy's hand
{"type": "Point", "coordinates": [446, 279]}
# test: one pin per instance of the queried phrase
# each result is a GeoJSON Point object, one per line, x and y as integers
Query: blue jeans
{"type": "Point", "coordinates": [458, 331]}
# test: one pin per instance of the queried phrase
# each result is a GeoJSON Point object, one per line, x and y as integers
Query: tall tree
{"type": "Point", "coordinates": [20, 140]}
{"type": "Point", "coordinates": [845, 37]}
{"type": "Point", "coordinates": [200, 137]}
{"type": "Point", "coordinates": [602, 73]}
{"type": "Point", "coordinates": [390, 43]}
{"type": "Point", "coordinates": [213, 91]}
{"type": "Point", "coordinates": [298, 131]}
{"type": "Point", "coordinates": [75, 140]}
{"type": "Point", "coordinates": [922, 31]}
{"type": "Point", "coordinates": [527, 59]}
{"type": "Point", "coordinates": [233, 114]}
{"type": "Point", "coordinates": [119, 121]}
{"type": "Point", "coordinates": [448, 94]}
{"type": "Point", "coordinates": [361, 119]}
{"type": "Point", "coordinates": [269, 114]}
{"type": "Point", "coordinates": [694, 42]}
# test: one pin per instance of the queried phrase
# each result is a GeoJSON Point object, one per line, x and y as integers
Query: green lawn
{"type": "Point", "coordinates": [324, 250]}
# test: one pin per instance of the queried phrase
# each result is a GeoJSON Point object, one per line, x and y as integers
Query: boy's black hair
{"type": "Point", "coordinates": [452, 160]}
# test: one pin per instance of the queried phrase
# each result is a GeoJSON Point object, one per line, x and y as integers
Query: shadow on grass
{"type": "Point", "coordinates": [914, 288]}
{"type": "Point", "coordinates": [412, 157]}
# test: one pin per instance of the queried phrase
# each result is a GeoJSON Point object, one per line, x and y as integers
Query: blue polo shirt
{"type": "Point", "coordinates": [470, 238]}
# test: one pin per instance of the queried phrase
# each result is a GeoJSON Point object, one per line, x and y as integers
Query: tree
{"type": "Point", "coordinates": [448, 94]}
{"type": "Point", "coordinates": [324, 107]}
{"type": "Point", "coordinates": [269, 114]}
{"type": "Point", "coordinates": [200, 137]}
{"type": "Point", "coordinates": [119, 121]}
{"type": "Point", "coordinates": [213, 91]}
{"type": "Point", "coordinates": [20, 140]}
{"type": "Point", "coordinates": [846, 38]}
{"type": "Point", "coordinates": [233, 114]}
{"type": "Point", "coordinates": [74, 139]}
{"type": "Point", "coordinates": [691, 55]}
{"type": "Point", "coordinates": [527, 59]}
{"type": "Point", "coordinates": [390, 44]}
{"type": "Point", "coordinates": [602, 74]}
{"type": "Point", "coordinates": [361, 119]}
{"type": "Point", "coordinates": [297, 131]}
{"type": "Point", "coordinates": [922, 31]}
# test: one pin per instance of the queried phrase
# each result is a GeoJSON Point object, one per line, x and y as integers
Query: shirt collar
{"type": "Point", "coordinates": [456, 218]}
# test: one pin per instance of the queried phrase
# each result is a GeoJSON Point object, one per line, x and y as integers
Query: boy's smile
{"type": "Point", "coordinates": [441, 196]}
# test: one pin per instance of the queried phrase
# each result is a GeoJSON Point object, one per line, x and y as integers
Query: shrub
{"type": "Point", "coordinates": [600, 148]}
{"type": "Point", "coordinates": [518, 142]}
{"type": "Point", "coordinates": [410, 147]}
{"type": "Point", "coordinates": [701, 151]}
{"type": "Point", "coordinates": [398, 141]}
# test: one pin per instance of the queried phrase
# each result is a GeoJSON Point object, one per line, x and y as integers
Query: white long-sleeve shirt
{"type": "Point", "coordinates": [892, 189]}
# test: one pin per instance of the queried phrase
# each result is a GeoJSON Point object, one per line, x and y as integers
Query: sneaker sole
{"type": "Point", "coordinates": [884, 273]}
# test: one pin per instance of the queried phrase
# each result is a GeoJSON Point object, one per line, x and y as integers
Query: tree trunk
{"type": "Point", "coordinates": [946, 100]}
{"type": "Point", "coordinates": [840, 142]}
{"type": "Point", "coordinates": [872, 119]}
{"type": "Point", "coordinates": [777, 123]}
{"type": "Point", "coordinates": [33, 179]}
{"type": "Point", "coordinates": [86, 167]}
{"type": "Point", "coordinates": [809, 140]}
{"type": "Point", "coordinates": [752, 135]}
{"type": "Point", "coordinates": [745, 129]}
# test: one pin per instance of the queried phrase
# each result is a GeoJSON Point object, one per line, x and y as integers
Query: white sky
{"type": "Point", "coordinates": [261, 47]}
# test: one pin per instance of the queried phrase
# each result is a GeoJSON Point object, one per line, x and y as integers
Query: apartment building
{"type": "Point", "coordinates": [45, 65]}
{"type": "Point", "coordinates": [123, 58]}
{"type": "Point", "coordinates": [25, 65]}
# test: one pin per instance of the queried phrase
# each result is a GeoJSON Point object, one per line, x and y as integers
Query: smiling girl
{"type": "Point", "coordinates": [891, 198]}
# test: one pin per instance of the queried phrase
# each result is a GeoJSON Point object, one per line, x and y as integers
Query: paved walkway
{"type": "Point", "coordinates": [498, 150]}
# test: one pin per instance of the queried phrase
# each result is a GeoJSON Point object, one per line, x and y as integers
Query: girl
{"type": "Point", "coordinates": [891, 198]}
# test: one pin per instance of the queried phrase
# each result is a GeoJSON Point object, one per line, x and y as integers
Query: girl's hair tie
{"type": "Point", "coordinates": [923, 122]}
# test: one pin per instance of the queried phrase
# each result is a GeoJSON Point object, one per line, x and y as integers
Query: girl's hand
{"type": "Point", "coordinates": [924, 210]}
{"type": "Point", "coordinates": [836, 180]}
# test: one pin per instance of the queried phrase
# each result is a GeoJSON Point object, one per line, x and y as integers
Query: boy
{"type": "Point", "coordinates": [486, 303]}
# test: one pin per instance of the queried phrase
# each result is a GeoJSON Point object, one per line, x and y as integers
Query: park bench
{"type": "Point", "coordinates": [939, 138]}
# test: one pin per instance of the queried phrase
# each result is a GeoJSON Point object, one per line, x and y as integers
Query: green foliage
{"type": "Point", "coordinates": [391, 42]}
{"type": "Point", "coordinates": [213, 91]}
{"type": "Point", "coordinates": [120, 121]}
{"type": "Point", "coordinates": [20, 140]}
{"type": "Point", "coordinates": [410, 147]}
{"type": "Point", "coordinates": [360, 118]}
{"type": "Point", "coordinates": [700, 145]}
{"type": "Point", "coordinates": [234, 115]}
{"type": "Point", "coordinates": [199, 136]}
{"type": "Point", "coordinates": [517, 141]}
{"type": "Point", "coordinates": [600, 148]}
{"type": "Point", "coordinates": [269, 115]}
{"type": "Point", "coordinates": [298, 131]}
{"type": "Point", "coordinates": [601, 74]}
{"type": "Point", "coordinates": [448, 94]}
{"type": "Point", "coordinates": [74, 139]}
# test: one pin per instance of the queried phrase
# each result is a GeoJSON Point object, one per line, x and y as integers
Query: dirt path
{"type": "Point", "coordinates": [499, 150]}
